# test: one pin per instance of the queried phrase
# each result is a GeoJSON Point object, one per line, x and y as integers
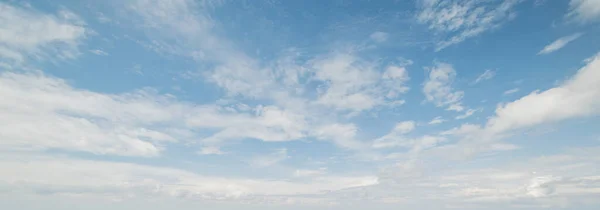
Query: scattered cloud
{"type": "Point", "coordinates": [461, 20]}
{"type": "Point", "coordinates": [62, 139]}
{"type": "Point", "coordinates": [559, 43]}
{"type": "Point", "coordinates": [487, 75]}
{"type": "Point", "coordinates": [511, 91]}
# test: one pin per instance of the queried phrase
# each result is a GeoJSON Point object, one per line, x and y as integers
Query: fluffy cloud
{"type": "Point", "coordinates": [20, 36]}
{"type": "Point", "coordinates": [438, 87]}
{"type": "Point", "coordinates": [355, 85]}
{"type": "Point", "coordinates": [559, 43]}
{"type": "Point", "coordinates": [460, 20]}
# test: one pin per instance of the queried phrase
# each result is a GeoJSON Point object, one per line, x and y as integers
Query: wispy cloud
{"type": "Point", "coordinates": [21, 38]}
{"type": "Point", "coordinates": [99, 52]}
{"type": "Point", "coordinates": [460, 20]}
{"type": "Point", "coordinates": [511, 91]}
{"type": "Point", "coordinates": [559, 43]}
{"type": "Point", "coordinates": [487, 75]}
{"type": "Point", "coordinates": [436, 120]}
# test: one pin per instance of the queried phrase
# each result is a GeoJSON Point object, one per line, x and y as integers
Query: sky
{"type": "Point", "coordinates": [321, 104]}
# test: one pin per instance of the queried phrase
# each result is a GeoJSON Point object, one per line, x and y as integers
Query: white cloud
{"type": "Point", "coordinates": [355, 85]}
{"type": "Point", "coordinates": [99, 52]}
{"type": "Point", "coordinates": [404, 127]}
{"type": "Point", "coordinates": [397, 137]}
{"type": "Point", "coordinates": [20, 36]}
{"type": "Point", "coordinates": [436, 120]}
{"type": "Point", "coordinates": [438, 87]}
{"type": "Point", "coordinates": [511, 91]}
{"type": "Point", "coordinates": [211, 150]}
{"type": "Point", "coordinates": [342, 135]}
{"type": "Point", "coordinates": [577, 97]}
{"type": "Point", "coordinates": [460, 20]}
{"type": "Point", "coordinates": [488, 74]}
{"type": "Point", "coordinates": [379, 36]}
{"type": "Point", "coordinates": [42, 112]}
{"type": "Point", "coordinates": [62, 176]}
{"type": "Point", "coordinates": [310, 173]}
{"type": "Point", "coordinates": [268, 124]}
{"type": "Point", "coordinates": [584, 10]}
{"type": "Point", "coordinates": [468, 113]}
{"type": "Point", "coordinates": [559, 43]}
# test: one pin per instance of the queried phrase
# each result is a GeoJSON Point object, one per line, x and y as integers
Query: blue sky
{"type": "Point", "coordinates": [429, 104]}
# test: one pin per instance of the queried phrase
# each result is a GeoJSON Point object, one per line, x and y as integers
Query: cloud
{"type": "Point", "coordinates": [342, 135]}
{"type": "Point", "coordinates": [436, 120]}
{"type": "Point", "coordinates": [353, 84]}
{"type": "Point", "coordinates": [488, 74]}
{"type": "Point", "coordinates": [576, 97]}
{"type": "Point", "coordinates": [268, 123]}
{"type": "Point", "coordinates": [404, 127]}
{"type": "Point", "coordinates": [559, 43]}
{"type": "Point", "coordinates": [43, 112]}
{"type": "Point", "coordinates": [69, 176]}
{"type": "Point", "coordinates": [584, 11]}
{"type": "Point", "coordinates": [379, 36]}
{"type": "Point", "coordinates": [310, 173]}
{"type": "Point", "coordinates": [397, 137]}
{"type": "Point", "coordinates": [99, 52]}
{"type": "Point", "coordinates": [211, 151]}
{"type": "Point", "coordinates": [438, 87]}
{"type": "Point", "coordinates": [511, 91]}
{"type": "Point", "coordinates": [536, 182]}
{"type": "Point", "coordinates": [277, 156]}
{"type": "Point", "coordinates": [461, 20]}
{"type": "Point", "coordinates": [468, 113]}
{"type": "Point", "coordinates": [20, 37]}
